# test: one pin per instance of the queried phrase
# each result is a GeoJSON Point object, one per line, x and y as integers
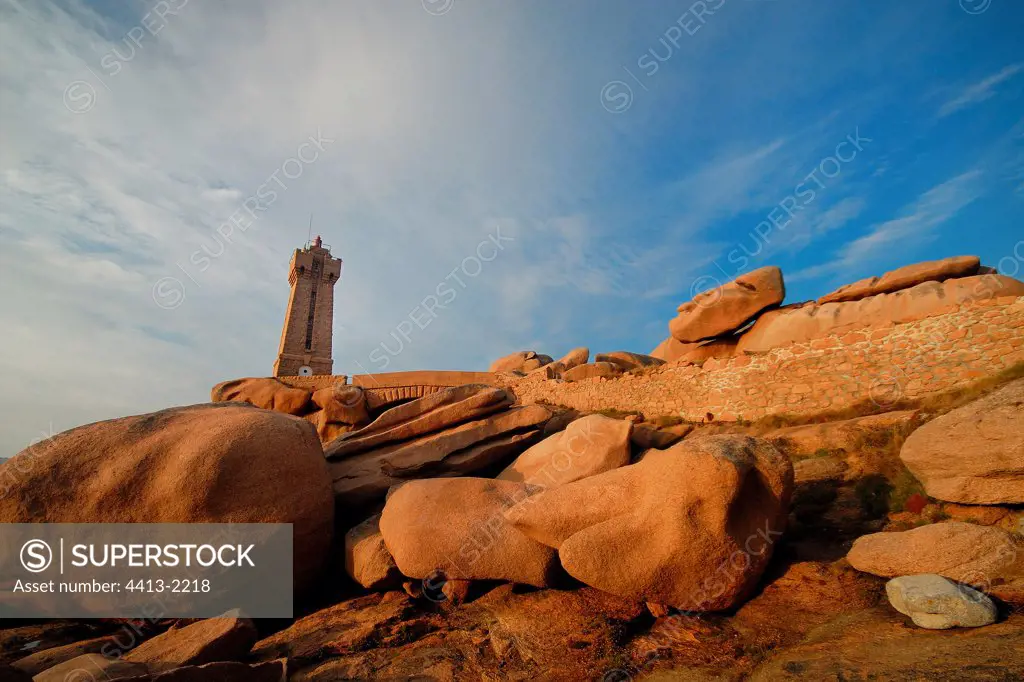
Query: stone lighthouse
{"type": "Point", "coordinates": [306, 338]}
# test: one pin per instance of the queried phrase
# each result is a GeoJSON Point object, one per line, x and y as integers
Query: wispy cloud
{"type": "Point", "coordinates": [980, 91]}
{"type": "Point", "coordinates": [916, 225]}
{"type": "Point", "coordinates": [933, 208]}
{"type": "Point", "coordinates": [837, 216]}
{"type": "Point", "coordinates": [428, 154]}
{"type": "Point", "coordinates": [444, 127]}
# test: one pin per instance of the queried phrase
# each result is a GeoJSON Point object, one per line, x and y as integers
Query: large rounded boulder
{"type": "Point", "coordinates": [728, 307]}
{"type": "Point", "coordinates": [964, 552]}
{"type": "Point", "coordinates": [574, 358]}
{"type": "Point", "coordinates": [975, 453]}
{"type": "Point", "coordinates": [522, 361]}
{"type": "Point", "coordinates": [588, 446]}
{"type": "Point", "coordinates": [268, 393]}
{"type": "Point", "coordinates": [213, 463]}
{"type": "Point", "coordinates": [906, 277]}
{"type": "Point", "coordinates": [458, 526]}
{"type": "Point", "coordinates": [692, 526]}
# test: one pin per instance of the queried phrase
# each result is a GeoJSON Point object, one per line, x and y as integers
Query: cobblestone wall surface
{"type": "Point", "coordinates": [902, 361]}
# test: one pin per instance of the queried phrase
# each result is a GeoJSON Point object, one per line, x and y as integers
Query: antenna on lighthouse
{"type": "Point", "coordinates": [309, 236]}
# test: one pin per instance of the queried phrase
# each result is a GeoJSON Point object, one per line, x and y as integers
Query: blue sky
{"type": "Point", "coordinates": [626, 155]}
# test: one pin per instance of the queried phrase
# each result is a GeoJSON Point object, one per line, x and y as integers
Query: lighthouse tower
{"type": "Point", "coordinates": [305, 347]}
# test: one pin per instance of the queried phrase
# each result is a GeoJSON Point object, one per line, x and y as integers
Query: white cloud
{"type": "Point", "coordinates": [436, 139]}
{"type": "Point", "coordinates": [980, 91]}
{"type": "Point", "coordinates": [731, 184]}
{"type": "Point", "coordinates": [816, 222]}
{"type": "Point", "coordinates": [931, 209]}
{"type": "Point", "coordinates": [837, 216]}
{"type": "Point", "coordinates": [915, 226]}
{"type": "Point", "coordinates": [443, 127]}
{"type": "Point", "coordinates": [226, 194]}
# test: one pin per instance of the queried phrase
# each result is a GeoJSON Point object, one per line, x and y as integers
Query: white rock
{"type": "Point", "coordinates": [938, 603]}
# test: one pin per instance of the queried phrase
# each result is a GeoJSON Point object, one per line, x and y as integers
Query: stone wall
{"type": "Point", "coordinates": [882, 365]}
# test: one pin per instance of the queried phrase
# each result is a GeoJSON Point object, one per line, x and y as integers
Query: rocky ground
{"type": "Point", "coordinates": [811, 615]}
{"type": "Point", "coordinates": [465, 536]}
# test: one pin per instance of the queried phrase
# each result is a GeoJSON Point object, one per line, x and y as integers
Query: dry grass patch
{"type": "Point", "coordinates": [663, 421]}
{"type": "Point", "coordinates": [958, 397]}
{"type": "Point", "coordinates": [618, 414]}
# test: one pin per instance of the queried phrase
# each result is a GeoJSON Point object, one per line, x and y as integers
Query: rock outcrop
{"type": "Point", "coordinates": [645, 437]}
{"type": "Point", "coordinates": [973, 454]}
{"type": "Point", "coordinates": [906, 277]}
{"type": "Point", "coordinates": [96, 666]}
{"type": "Point", "coordinates": [454, 432]}
{"type": "Point", "coordinates": [343, 627]}
{"type": "Point", "coordinates": [37, 662]}
{"type": "Point", "coordinates": [422, 416]}
{"type": "Point", "coordinates": [588, 446]}
{"type": "Point", "coordinates": [552, 370]}
{"type": "Point", "coordinates": [846, 435]}
{"type": "Point", "coordinates": [212, 463]}
{"type": "Point", "coordinates": [710, 510]}
{"type": "Point", "coordinates": [627, 360]}
{"type": "Point", "coordinates": [523, 361]}
{"type": "Point", "coordinates": [326, 430]}
{"type": "Point", "coordinates": [222, 671]}
{"type": "Point", "coordinates": [975, 555]}
{"type": "Point", "coordinates": [343, 405]}
{"type": "Point", "coordinates": [805, 322]}
{"type": "Point", "coordinates": [728, 307]}
{"type": "Point", "coordinates": [19, 641]}
{"type": "Point", "coordinates": [718, 349]}
{"type": "Point", "coordinates": [367, 559]}
{"type": "Point", "coordinates": [574, 358]}
{"type": "Point", "coordinates": [671, 350]}
{"type": "Point", "coordinates": [605, 534]}
{"type": "Point", "coordinates": [873, 645]}
{"type": "Point", "coordinates": [937, 603]}
{"type": "Point", "coordinates": [265, 392]}
{"type": "Point", "coordinates": [592, 370]}
{"type": "Point", "coordinates": [818, 469]}
{"type": "Point", "coordinates": [458, 527]}
{"type": "Point", "coordinates": [560, 631]}
{"type": "Point", "coordinates": [333, 410]}
{"type": "Point", "coordinates": [226, 638]}
{"type": "Point", "coordinates": [508, 633]}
